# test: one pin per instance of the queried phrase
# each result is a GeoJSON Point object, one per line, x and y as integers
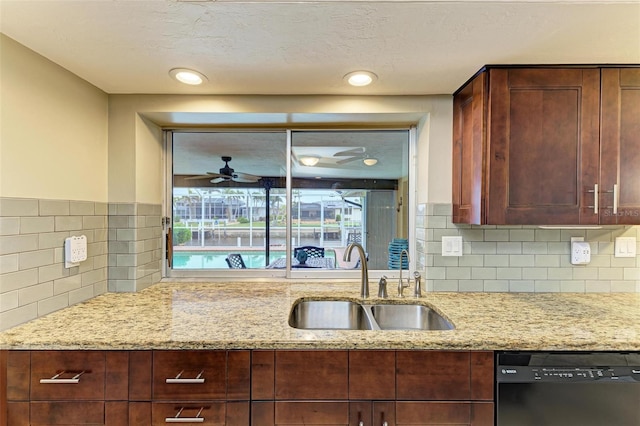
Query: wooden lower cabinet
{"type": "Point", "coordinates": [240, 388]}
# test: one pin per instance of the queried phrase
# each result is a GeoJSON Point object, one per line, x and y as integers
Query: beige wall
{"type": "Point", "coordinates": [53, 135]}
{"type": "Point", "coordinates": [136, 146]}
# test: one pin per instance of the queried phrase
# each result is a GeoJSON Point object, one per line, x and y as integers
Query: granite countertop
{"type": "Point", "coordinates": [254, 315]}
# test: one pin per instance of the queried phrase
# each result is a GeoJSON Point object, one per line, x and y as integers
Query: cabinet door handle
{"type": "Point", "coordinates": [178, 419]}
{"type": "Point", "coordinates": [595, 198]}
{"type": "Point", "coordinates": [180, 380]}
{"type": "Point", "coordinates": [61, 380]}
{"type": "Point", "coordinates": [615, 198]}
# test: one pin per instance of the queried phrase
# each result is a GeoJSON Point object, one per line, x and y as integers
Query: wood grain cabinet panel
{"type": "Point", "coordinates": [559, 146]}
{"type": "Point", "coordinates": [620, 146]}
{"type": "Point", "coordinates": [206, 413]}
{"type": "Point", "coordinates": [372, 375]}
{"type": "Point", "coordinates": [311, 375]}
{"type": "Point", "coordinates": [433, 375]}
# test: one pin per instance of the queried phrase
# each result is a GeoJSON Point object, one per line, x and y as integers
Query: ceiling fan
{"type": "Point", "coordinates": [227, 174]}
{"type": "Point", "coordinates": [353, 154]}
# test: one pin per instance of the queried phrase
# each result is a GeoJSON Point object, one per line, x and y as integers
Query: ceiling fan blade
{"type": "Point", "coordinates": [350, 152]}
{"type": "Point", "coordinates": [218, 180]}
{"type": "Point", "coordinates": [209, 175]}
{"type": "Point", "coordinates": [245, 178]}
{"type": "Point", "coordinates": [348, 160]}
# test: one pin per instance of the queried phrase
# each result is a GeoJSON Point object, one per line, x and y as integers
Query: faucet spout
{"type": "Point", "coordinates": [364, 269]}
{"type": "Point", "coordinates": [401, 285]}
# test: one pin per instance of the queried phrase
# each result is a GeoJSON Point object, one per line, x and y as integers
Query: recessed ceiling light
{"type": "Point", "coordinates": [187, 76]}
{"type": "Point", "coordinates": [309, 160]}
{"type": "Point", "coordinates": [370, 161]}
{"type": "Point", "coordinates": [360, 78]}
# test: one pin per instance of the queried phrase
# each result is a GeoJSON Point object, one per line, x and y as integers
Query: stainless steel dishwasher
{"type": "Point", "coordinates": [568, 389]}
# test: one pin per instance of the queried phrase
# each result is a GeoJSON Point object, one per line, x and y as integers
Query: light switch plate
{"type": "Point", "coordinates": [452, 246]}
{"type": "Point", "coordinates": [625, 247]}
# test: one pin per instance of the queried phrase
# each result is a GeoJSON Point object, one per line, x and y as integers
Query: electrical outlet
{"type": "Point", "coordinates": [75, 251]}
{"type": "Point", "coordinates": [580, 253]}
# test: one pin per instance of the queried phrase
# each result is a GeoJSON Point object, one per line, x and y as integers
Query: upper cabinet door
{"type": "Point", "coordinates": [543, 154]}
{"type": "Point", "coordinates": [620, 147]}
{"type": "Point", "coordinates": [468, 151]}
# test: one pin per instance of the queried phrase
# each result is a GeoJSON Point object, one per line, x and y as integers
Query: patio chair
{"type": "Point", "coordinates": [311, 251]}
{"type": "Point", "coordinates": [234, 260]}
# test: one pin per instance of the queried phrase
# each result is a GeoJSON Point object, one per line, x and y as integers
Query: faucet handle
{"type": "Point", "coordinates": [382, 287]}
{"type": "Point", "coordinates": [417, 292]}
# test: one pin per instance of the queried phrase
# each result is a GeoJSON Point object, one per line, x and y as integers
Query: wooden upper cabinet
{"type": "Point", "coordinates": [529, 146]}
{"type": "Point", "coordinates": [620, 146]}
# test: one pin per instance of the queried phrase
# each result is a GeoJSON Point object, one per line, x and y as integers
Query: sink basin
{"type": "Point", "coordinates": [348, 315]}
{"type": "Point", "coordinates": [408, 317]}
{"type": "Point", "coordinates": [329, 315]}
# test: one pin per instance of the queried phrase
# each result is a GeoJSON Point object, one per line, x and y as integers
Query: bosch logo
{"type": "Point", "coordinates": [505, 371]}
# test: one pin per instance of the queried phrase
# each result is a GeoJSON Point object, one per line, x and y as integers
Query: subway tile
{"type": "Point", "coordinates": [442, 209]}
{"type": "Point", "coordinates": [471, 260]}
{"type": "Point", "coordinates": [100, 235]}
{"type": "Point", "coordinates": [9, 263]}
{"type": "Point", "coordinates": [631, 273]}
{"type": "Point", "coordinates": [584, 273]}
{"type": "Point", "coordinates": [18, 207]}
{"type": "Point", "coordinates": [35, 225]}
{"type": "Point", "coordinates": [52, 272]}
{"type": "Point", "coordinates": [469, 286]}
{"type": "Point", "coordinates": [437, 222]}
{"type": "Point", "coordinates": [118, 222]}
{"type": "Point", "coordinates": [120, 286]}
{"type": "Point", "coordinates": [534, 247]}
{"type": "Point", "coordinates": [509, 273]}
{"type": "Point", "coordinates": [10, 244]}
{"type": "Point", "coordinates": [522, 286]}
{"type": "Point", "coordinates": [566, 234]}
{"type": "Point", "coordinates": [9, 226]}
{"type": "Point", "coordinates": [100, 261]}
{"type": "Point", "coordinates": [546, 260]}
{"type": "Point", "coordinates": [94, 276]}
{"type": "Point", "coordinates": [600, 261]}
{"type": "Point", "coordinates": [68, 223]}
{"type": "Point", "coordinates": [599, 235]}
{"type": "Point", "coordinates": [572, 286]}
{"type": "Point", "coordinates": [534, 273]}
{"type": "Point", "coordinates": [498, 260]}
{"type": "Point", "coordinates": [8, 300]}
{"type": "Point", "coordinates": [126, 209]}
{"type": "Point", "coordinates": [54, 207]}
{"type": "Point", "coordinates": [17, 316]}
{"type": "Point", "coordinates": [483, 247]}
{"type": "Point", "coordinates": [522, 235]}
{"type": "Point", "coordinates": [547, 234]}
{"type": "Point", "coordinates": [64, 285]}
{"type": "Point", "coordinates": [610, 273]}
{"type": "Point", "coordinates": [450, 261]}
{"type": "Point", "coordinates": [58, 254]}
{"type": "Point", "coordinates": [17, 280]}
{"type": "Point", "coordinates": [101, 288]}
{"type": "Point", "coordinates": [621, 262]}
{"type": "Point", "coordinates": [101, 209]}
{"type": "Point", "coordinates": [559, 273]}
{"type": "Point", "coordinates": [34, 259]}
{"type": "Point", "coordinates": [86, 265]}
{"type": "Point", "coordinates": [483, 273]}
{"type": "Point", "coordinates": [521, 260]}
{"type": "Point", "coordinates": [53, 304]}
{"type": "Point", "coordinates": [603, 248]}
{"type": "Point", "coordinates": [126, 235]}
{"type": "Point", "coordinates": [80, 295]}
{"type": "Point", "coordinates": [458, 273]}
{"type": "Point", "coordinates": [82, 208]}
{"type": "Point", "coordinates": [559, 248]}
{"type": "Point", "coordinates": [35, 293]}
{"type": "Point", "coordinates": [596, 286]}
{"type": "Point", "coordinates": [509, 248]}
{"type": "Point", "coordinates": [94, 222]}
{"type": "Point", "coordinates": [128, 273]}
{"type": "Point", "coordinates": [472, 234]}
{"type": "Point", "coordinates": [496, 285]}
{"type": "Point", "coordinates": [97, 249]}
{"type": "Point", "coordinates": [547, 286]}
{"type": "Point", "coordinates": [52, 240]}
{"type": "Point", "coordinates": [126, 260]}
{"type": "Point", "coordinates": [623, 286]}
{"type": "Point", "coordinates": [496, 235]}
{"type": "Point", "coordinates": [445, 285]}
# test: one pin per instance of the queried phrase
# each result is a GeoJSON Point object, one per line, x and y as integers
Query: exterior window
{"type": "Point", "coordinates": [280, 201]}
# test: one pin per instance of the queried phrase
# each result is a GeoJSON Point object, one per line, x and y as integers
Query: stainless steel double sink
{"type": "Point", "coordinates": [350, 315]}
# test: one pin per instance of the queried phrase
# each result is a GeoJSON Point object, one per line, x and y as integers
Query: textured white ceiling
{"type": "Point", "coordinates": [275, 47]}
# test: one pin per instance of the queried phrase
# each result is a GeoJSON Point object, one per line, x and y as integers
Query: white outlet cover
{"type": "Point", "coordinates": [625, 247]}
{"type": "Point", "coordinates": [452, 246]}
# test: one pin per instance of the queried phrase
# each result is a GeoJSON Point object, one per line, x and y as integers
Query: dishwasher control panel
{"type": "Point", "coordinates": [528, 374]}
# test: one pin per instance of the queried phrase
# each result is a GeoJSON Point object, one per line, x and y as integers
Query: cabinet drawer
{"type": "Point", "coordinates": [311, 375]}
{"type": "Point", "coordinates": [205, 413]}
{"type": "Point", "coordinates": [311, 413]}
{"type": "Point", "coordinates": [67, 413]}
{"type": "Point", "coordinates": [189, 375]}
{"type": "Point", "coordinates": [67, 375]}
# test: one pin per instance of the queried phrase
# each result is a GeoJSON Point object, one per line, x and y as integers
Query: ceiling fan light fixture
{"type": "Point", "coordinates": [309, 160]}
{"type": "Point", "coordinates": [187, 76]}
{"type": "Point", "coordinates": [360, 78]}
{"type": "Point", "coordinates": [370, 161]}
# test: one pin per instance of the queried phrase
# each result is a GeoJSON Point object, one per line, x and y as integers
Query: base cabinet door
{"type": "Point", "coordinates": [205, 413]}
{"type": "Point", "coordinates": [272, 413]}
{"type": "Point", "coordinates": [415, 413]}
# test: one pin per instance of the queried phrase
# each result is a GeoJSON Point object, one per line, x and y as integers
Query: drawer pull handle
{"type": "Point", "coordinates": [58, 380]}
{"type": "Point", "coordinates": [178, 419]}
{"type": "Point", "coordinates": [180, 380]}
